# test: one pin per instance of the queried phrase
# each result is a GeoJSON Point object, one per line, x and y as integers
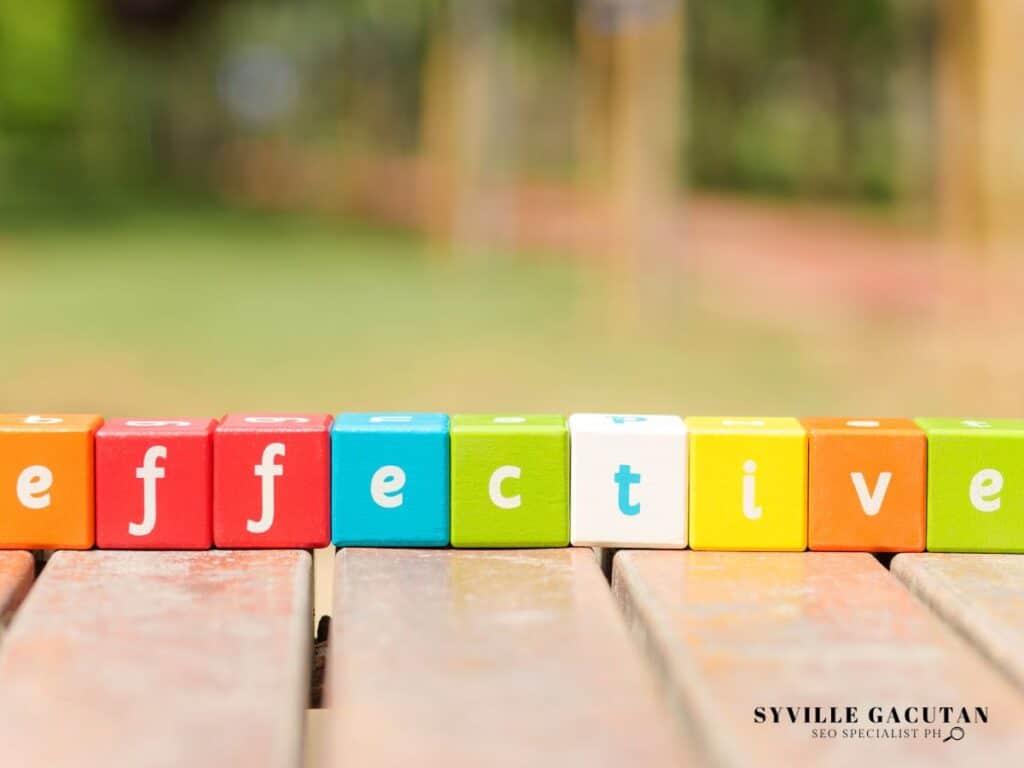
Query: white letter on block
{"type": "Point", "coordinates": [148, 473]}
{"type": "Point", "coordinates": [985, 488]}
{"type": "Point", "coordinates": [34, 485]}
{"type": "Point", "coordinates": [36, 419]}
{"type": "Point", "coordinates": [276, 420]}
{"type": "Point", "coordinates": [750, 510]}
{"type": "Point", "coordinates": [386, 487]}
{"type": "Point", "coordinates": [157, 423]}
{"type": "Point", "coordinates": [499, 499]}
{"type": "Point", "coordinates": [267, 470]}
{"type": "Point", "coordinates": [871, 502]}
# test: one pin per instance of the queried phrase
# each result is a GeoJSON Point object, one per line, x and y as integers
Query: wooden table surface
{"type": "Point", "coordinates": [16, 572]}
{"type": "Point", "coordinates": [457, 657]}
{"type": "Point", "coordinates": [159, 659]}
{"type": "Point", "coordinates": [526, 657]}
{"type": "Point", "coordinates": [735, 631]}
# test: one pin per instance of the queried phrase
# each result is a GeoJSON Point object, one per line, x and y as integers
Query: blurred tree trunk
{"type": "Point", "coordinates": [458, 95]}
{"type": "Point", "coordinates": [981, 111]}
{"type": "Point", "coordinates": [630, 57]}
{"type": "Point", "coordinates": [439, 140]}
{"type": "Point", "coordinates": [981, 198]}
{"type": "Point", "coordinates": [914, 108]}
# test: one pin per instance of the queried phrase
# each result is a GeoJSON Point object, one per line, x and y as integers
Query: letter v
{"type": "Point", "coordinates": [871, 502]}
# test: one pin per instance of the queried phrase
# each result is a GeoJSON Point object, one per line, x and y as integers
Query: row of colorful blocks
{"type": "Point", "coordinates": [388, 479]}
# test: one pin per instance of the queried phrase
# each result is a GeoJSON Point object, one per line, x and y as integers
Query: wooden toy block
{"type": "Point", "coordinates": [975, 484]}
{"type": "Point", "coordinates": [748, 483]}
{"type": "Point", "coordinates": [271, 481]}
{"type": "Point", "coordinates": [523, 650]}
{"type": "Point", "coordinates": [159, 659]}
{"type": "Point", "coordinates": [509, 481]}
{"type": "Point", "coordinates": [154, 484]}
{"type": "Point", "coordinates": [866, 485]}
{"type": "Point", "coordinates": [390, 475]}
{"type": "Point", "coordinates": [628, 480]}
{"type": "Point", "coordinates": [46, 481]}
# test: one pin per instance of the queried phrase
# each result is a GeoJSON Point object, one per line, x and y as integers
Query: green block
{"type": "Point", "coordinates": [510, 481]}
{"type": "Point", "coordinates": [975, 484]}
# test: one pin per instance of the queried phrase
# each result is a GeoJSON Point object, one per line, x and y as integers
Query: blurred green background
{"type": "Point", "coordinates": [693, 206]}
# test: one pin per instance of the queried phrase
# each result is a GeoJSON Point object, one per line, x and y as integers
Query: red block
{"type": "Point", "coordinates": [154, 484]}
{"type": "Point", "coordinates": [271, 481]}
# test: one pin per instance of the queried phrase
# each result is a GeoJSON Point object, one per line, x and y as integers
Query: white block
{"type": "Point", "coordinates": [628, 480]}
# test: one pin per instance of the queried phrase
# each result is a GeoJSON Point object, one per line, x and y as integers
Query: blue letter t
{"type": "Point", "coordinates": [625, 478]}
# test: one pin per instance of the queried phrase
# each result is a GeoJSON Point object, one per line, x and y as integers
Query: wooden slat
{"type": "Point", "coordinates": [323, 581]}
{"type": "Point", "coordinates": [733, 631]}
{"type": "Point", "coordinates": [159, 659]}
{"type": "Point", "coordinates": [980, 595]}
{"type": "Point", "coordinates": [16, 571]}
{"type": "Point", "coordinates": [487, 658]}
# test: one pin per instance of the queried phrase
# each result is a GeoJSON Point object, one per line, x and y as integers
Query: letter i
{"type": "Point", "coordinates": [750, 511]}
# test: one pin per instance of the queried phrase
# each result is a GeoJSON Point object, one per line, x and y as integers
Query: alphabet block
{"type": "Point", "coordinates": [866, 485]}
{"type": "Point", "coordinates": [46, 481]}
{"type": "Point", "coordinates": [271, 481]}
{"type": "Point", "coordinates": [628, 480]}
{"type": "Point", "coordinates": [748, 484]}
{"type": "Point", "coordinates": [975, 484]}
{"type": "Point", "coordinates": [390, 480]}
{"type": "Point", "coordinates": [510, 483]}
{"type": "Point", "coordinates": [154, 484]}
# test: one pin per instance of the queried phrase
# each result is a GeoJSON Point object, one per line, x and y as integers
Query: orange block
{"type": "Point", "coordinates": [46, 481]}
{"type": "Point", "coordinates": [866, 485]}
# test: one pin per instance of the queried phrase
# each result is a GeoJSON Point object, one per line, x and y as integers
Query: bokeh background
{"type": "Point", "coordinates": [692, 206]}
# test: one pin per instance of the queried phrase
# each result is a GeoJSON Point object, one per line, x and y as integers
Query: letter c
{"type": "Point", "coordinates": [499, 499]}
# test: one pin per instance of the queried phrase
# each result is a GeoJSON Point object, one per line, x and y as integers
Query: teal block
{"type": "Point", "coordinates": [390, 480]}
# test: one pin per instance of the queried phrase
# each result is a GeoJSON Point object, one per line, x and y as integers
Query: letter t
{"type": "Point", "coordinates": [625, 478]}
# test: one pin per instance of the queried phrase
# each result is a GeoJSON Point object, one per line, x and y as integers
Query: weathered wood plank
{"type": "Point", "coordinates": [159, 659]}
{"type": "Point", "coordinates": [16, 571]}
{"type": "Point", "coordinates": [487, 658]}
{"type": "Point", "coordinates": [981, 595]}
{"type": "Point", "coordinates": [735, 631]}
{"type": "Point", "coordinates": [323, 582]}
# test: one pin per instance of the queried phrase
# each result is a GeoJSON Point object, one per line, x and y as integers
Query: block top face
{"type": "Point", "coordinates": [744, 425]}
{"type": "Point", "coordinates": [973, 427]}
{"type": "Point", "coordinates": [150, 427]}
{"type": "Point", "coordinates": [852, 427]}
{"type": "Point", "coordinates": [392, 422]}
{"type": "Point", "coordinates": [49, 422]}
{"type": "Point", "coordinates": [277, 422]}
{"type": "Point", "coordinates": [626, 424]}
{"type": "Point", "coordinates": [495, 423]}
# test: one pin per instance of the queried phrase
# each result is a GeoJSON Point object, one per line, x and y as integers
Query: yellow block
{"type": "Point", "coordinates": [748, 483]}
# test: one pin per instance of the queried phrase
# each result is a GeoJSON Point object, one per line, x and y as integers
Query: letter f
{"type": "Point", "coordinates": [148, 473]}
{"type": "Point", "coordinates": [267, 470]}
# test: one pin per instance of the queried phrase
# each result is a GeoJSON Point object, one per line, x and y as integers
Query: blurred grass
{"type": "Point", "coordinates": [204, 311]}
